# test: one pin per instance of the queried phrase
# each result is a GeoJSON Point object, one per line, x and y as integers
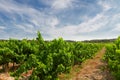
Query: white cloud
{"type": "Point", "coordinates": [2, 27]}
{"type": "Point", "coordinates": [105, 5]}
{"type": "Point", "coordinates": [26, 27]}
{"type": "Point", "coordinates": [117, 27]}
{"type": "Point", "coordinates": [61, 4]}
{"type": "Point", "coordinates": [91, 25]}
{"type": "Point", "coordinates": [36, 20]}
{"type": "Point", "coordinates": [53, 22]}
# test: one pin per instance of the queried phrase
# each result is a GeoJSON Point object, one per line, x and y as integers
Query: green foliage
{"type": "Point", "coordinates": [6, 55]}
{"type": "Point", "coordinates": [83, 51]}
{"type": "Point", "coordinates": [112, 56]}
{"type": "Point", "coordinates": [117, 42]}
{"type": "Point", "coordinates": [46, 59]}
{"type": "Point", "coordinates": [39, 37]}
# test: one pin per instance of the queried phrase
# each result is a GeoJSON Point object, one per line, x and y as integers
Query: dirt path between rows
{"type": "Point", "coordinates": [6, 76]}
{"type": "Point", "coordinates": [94, 69]}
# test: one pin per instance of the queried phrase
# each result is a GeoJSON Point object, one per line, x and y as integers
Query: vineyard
{"type": "Point", "coordinates": [45, 60]}
{"type": "Point", "coordinates": [112, 57]}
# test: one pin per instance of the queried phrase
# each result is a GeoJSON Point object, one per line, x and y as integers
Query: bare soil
{"type": "Point", "coordinates": [94, 69]}
{"type": "Point", "coordinates": [5, 76]}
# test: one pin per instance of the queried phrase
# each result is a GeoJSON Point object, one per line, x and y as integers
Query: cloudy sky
{"type": "Point", "coordinates": [70, 19]}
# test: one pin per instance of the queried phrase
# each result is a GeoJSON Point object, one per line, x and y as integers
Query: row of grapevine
{"type": "Point", "coordinates": [46, 59]}
{"type": "Point", "coordinates": [112, 57]}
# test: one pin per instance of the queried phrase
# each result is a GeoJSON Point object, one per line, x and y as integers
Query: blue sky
{"type": "Point", "coordinates": [70, 19]}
